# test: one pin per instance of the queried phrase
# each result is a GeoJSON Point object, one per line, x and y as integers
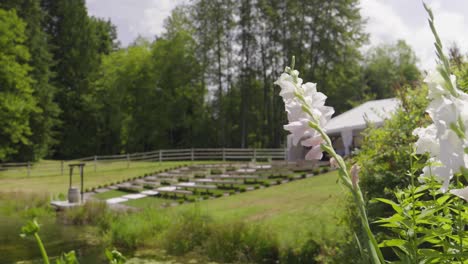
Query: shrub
{"type": "Point", "coordinates": [267, 184]}
{"type": "Point", "coordinates": [230, 168]}
{"type": "Point", "coordinates": [307, 254]}
{"type": "Point", "coordinates": [325, 169]}
{"type": "Point", "coordinates": [237, 242]}
{"type": "Point", "coordinates": [148, 186]}
{"type": "Point", "coordinates": [199, 175]}
{"type": "Point", "coordinates": [165, 183]}
{"type": "Point", "coordinates": [216, 171]}
{"type": "Point", "coordinates": [130, 189]}
{"type": "Point", "coordinates": [189, 231]}
{"type": "Point", "coordinates": [92, 212]}
{"type": "Point", "coordinates": [303, 175]}
{"type": "Point", "coordinates": [242, 189]}
{"type": "Point", "coordinates": [256, 187]}
{"type": "Point", "coordinates": [132, 230]}
{"type": "Point", "coordinates": [279, 181]}
{"type": "Point", "coordinates": [183, 179]}
{"type": "Point", "coordinates": [217, 195]}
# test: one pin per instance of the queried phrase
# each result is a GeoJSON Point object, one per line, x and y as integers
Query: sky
{"type": "Point", "coordinates": [387, 21]}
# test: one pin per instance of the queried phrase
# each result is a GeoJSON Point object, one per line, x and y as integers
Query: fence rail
{"type": "Point", "coordinates": [195, 154]}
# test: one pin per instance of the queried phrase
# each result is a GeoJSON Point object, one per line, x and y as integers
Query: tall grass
{"type": "Point", "coordinates": [26, 205]}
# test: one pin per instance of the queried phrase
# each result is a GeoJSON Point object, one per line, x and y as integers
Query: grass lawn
{"type": "Point", "coordinates": [294, 209]}
{"type": "Point", "coordinates": [106, 173]}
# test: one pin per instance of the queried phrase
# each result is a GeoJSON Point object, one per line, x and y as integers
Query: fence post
{"type": "Point", "coordinates": [61, 167]}
{"type": "Point", "coordinates": [160, 155]}
{"type": "Point", "coordinates": [29, 169]}
{"type": "Point", "coordinates": [95, 163]}
{"type": "Point", "coordinates": [128, 160]}
{"type": "Point", "coordinates": [224, 155]}
{"type": "Point", "coordinates": [255, 155]}
{"type": "Point", "coordinates": [286, 154]}
{"type": "Point", "coordinates": [191, 154]}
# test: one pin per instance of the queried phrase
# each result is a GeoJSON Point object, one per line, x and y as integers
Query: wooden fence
{"type": "Point", "coordinates": [194, 154]}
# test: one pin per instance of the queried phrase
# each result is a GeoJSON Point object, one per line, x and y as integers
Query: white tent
{"type": "Point", "coordinates": [356, 119]}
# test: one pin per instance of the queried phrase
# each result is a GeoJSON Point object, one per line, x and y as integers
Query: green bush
{"type": "Point", "coordinates": [165, 183]}
{"type": "Point", "coordinates": [130, 189]}
{"type": "Point", "coordinates": [91, 213]}
{"type": "Point", "coordinates": [238, 242]}
{"type": "Point", "coordinates": [267, 184]}
{"type": "Point", "coordinates": [183, 179]}
{"type": "Point", "coordinates": [199, 175]}
{"type": "Point", "coordinates": [148, 186]}
{"type": "Point", "coordinates": [133, 230]}
{"type": "Point", "coordinates": [307, 254]}
{"type": "Point", "coordinates": [230, 168]}
{"type": "Point", "coordinates": [216, 171]}
{"type": "Point", "coordinates": [189, 230]}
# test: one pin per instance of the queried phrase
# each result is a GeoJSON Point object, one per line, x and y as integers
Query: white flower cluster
{"type": "Point", "coordinates": [297, 97]}
{"type": "Point", "coordinates": [445, 140]}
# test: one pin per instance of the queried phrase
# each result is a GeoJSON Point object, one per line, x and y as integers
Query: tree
{"type": "Point", "coordinates": [16, 95]}
{"type": "Point", "coordinates": [78, 42]}
{"type": "Point", "coordinates": [43, 122]}
{"type": "Point", "coordinates": [389, 67]}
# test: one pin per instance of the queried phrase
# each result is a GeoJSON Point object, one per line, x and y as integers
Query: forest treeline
{"type": "Point", "coordinates": [69, 89]}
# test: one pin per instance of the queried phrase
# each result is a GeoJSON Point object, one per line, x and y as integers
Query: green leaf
{"type": "Point", "coordinates": [394, 205]}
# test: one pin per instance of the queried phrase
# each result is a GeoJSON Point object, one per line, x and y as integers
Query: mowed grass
{"type": "Point", "coordinates": [292, 210]}
{"type": "Point", "coordinates": [106, 173]}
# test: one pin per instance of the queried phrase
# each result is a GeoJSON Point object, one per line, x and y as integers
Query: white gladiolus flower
{"type": "Point", "coordinates": [462, 193]}
{"type": "Point", "coordinates": [296, 96]}
{"type": "Point", "coordinates": [446, 139]}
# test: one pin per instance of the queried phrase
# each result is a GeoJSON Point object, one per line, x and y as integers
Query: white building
{"type": "Point", "coordinates": [345, 129]}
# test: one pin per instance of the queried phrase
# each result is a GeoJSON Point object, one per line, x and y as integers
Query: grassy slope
{"type": "Point", "coordinates": [293, 209]}
{"type": "Point", "coordinates": [105, 174]}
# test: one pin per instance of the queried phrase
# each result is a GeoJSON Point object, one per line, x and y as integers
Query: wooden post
{"type": "Point", "coordinates": [224, 155]}
{"type": "Point", "coordinates": [95, 163]}
{"type": "Point", "coordinates": [71, 173]}
{"type": "Point", "coordinates": [160, 155]}
{"type": "Point", "coordinates": [82, 183]}
{"type": "Point", "coordinates": [191, 155]}
{"type": "Point", "coordinates": [286, 155]}
{"type": "Point", "coordinates": [255, 155]}
{"type": "Point", "coordinates": [29, 168]}
{"type": "Point", "coordinates": [128, 160]}
{"type": "Point", "coordinates": [61, 167]}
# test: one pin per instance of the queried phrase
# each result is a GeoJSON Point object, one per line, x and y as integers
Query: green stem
{"type": "Point", "coordinates": [461, 227]}
{"type": "Point", "coordinates": [42, 249]}
{"type": "Point", "coordinates": [377, 255]}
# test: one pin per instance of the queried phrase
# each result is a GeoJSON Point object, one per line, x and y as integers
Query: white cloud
{"type": "Point", "coordinates": [387, 24]}
{"type": "Point", "coordinates": [388, 21]}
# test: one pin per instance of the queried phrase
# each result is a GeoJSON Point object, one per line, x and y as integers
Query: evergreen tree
{"type": "Point", "coordinates": [77, 42]}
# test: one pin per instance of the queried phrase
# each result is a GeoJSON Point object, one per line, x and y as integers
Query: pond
{"type": "Point", "coordinates": [57, 238]}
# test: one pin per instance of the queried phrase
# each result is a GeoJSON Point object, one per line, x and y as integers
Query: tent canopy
{"type": "Point", "coordinates": [375, 111]}
{"type": "Point", "coordinates": [357, 118]}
